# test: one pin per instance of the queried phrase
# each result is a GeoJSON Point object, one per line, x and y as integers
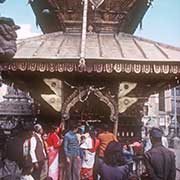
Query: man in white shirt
{"type": "Point", "coordinates": [37, 151]}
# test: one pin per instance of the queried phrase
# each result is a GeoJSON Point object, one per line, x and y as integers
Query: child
{"type": "Point", "coordinates": [27, 170]}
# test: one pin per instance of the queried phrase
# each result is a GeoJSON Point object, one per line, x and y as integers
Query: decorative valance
{"type": "Point", "coordinates": [93, 68]}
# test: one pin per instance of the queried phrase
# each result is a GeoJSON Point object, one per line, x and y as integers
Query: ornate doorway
{"type": "Point", "coordinates": [91, 105]}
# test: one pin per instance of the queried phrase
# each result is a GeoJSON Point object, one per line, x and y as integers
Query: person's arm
{"type": "Point", "coordinates": [126, 152]}
{"type": "Point", "coordinates": [32, 152]}
{"type": "Point", "coordinates": [172, 174]}
{"type": "Point", "coordinates": [115, 138]}
{"type": "Point", "coordinates": [66, 145]}
{"type": "Point", "coordinates": [131, 149]}
{"type": "Point", "coordinates": [33, 144]}
{"type": "Point", "coordinates": [61, 127]}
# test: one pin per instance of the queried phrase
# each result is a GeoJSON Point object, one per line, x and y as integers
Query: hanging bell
{"type": "Point", "coordinates": [82, 62]}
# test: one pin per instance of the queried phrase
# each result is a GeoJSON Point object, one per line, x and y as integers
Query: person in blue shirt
{"type": "Point", "coordinates": [72, 154]}
{"type": "Point", "coordinates": [128, 155]}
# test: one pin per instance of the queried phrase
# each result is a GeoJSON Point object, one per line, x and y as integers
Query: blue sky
{"type": "Point", "coordinates": [161, 22]}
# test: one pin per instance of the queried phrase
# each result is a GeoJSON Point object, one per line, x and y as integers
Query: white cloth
{"type": "Point", "coordinates": [165, 142]}
{"type": "Point", "coordinates": [27, 177]}
{"type": "Point", "coordinates": [88, 159]}
{"type": "Point", "coordinates": [26, 148]}
{"type": "Point", "coordinates": [53, 155]}
{"type": "Point", "coordinates": [33, 143]}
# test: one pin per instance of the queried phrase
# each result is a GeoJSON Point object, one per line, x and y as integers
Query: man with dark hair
{"type": "Point", "coordinates": [72, 153]}
{"type": "Point", "coordinates": [159, 161]}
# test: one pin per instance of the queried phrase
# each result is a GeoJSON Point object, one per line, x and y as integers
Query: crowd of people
{"type": "Point", "coordinates": [82, 154]}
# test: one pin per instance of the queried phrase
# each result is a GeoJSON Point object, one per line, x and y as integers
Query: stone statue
{"type": "Point", "coordinates": [7, 38]}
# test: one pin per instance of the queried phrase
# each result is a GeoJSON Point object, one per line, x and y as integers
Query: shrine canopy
{"type": "Point", "coordinates": [104, 53]}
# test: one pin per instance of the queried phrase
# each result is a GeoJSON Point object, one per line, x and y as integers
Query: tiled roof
{"type": "Point", "coordinates": [60, 46]}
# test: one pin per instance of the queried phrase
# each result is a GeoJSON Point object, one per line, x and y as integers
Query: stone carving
{"type": "Point", "coordinates": [7, 38]}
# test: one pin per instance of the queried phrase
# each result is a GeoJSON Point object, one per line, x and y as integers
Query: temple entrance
{"type": "Point", "coordinates": [89, 108]}
{"type": "Point", "coordinates": [92, 112]}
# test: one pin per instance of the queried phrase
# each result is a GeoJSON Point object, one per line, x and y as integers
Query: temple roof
{"type": "Point", "coordinates": [103, 15]}
{"type": "Point", "coordinates": [60, 46]}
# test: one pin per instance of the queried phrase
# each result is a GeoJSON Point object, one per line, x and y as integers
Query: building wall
{"type": "Point", "coordinates": [155, 117]}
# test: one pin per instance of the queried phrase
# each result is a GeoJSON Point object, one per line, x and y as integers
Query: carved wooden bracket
{"type": "Point", "coordinates": [54, 100]}
{"type": "Point", "coordinates": [125, 102]}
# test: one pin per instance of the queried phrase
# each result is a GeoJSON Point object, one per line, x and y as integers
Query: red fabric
{"type": "Point", "coordinates": [54, 140]}
{"type": "Point", "coordinates": [86, 173]}
{"type": "Point", "coordinates": [95, 145]}
{"type": "Point", "coordinates": [138, 148]}
{"type": "Point", "coordinates": [52, 153]}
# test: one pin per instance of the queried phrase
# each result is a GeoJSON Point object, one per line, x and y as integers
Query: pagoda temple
{"type": "Point", "coordinates": [88, 67]}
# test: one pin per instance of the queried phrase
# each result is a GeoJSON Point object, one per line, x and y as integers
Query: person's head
{"type": "Point", "coordinates": [113, 154]}
{"type": "Point", "coordinates": [74, 127]}
{"type": "Point", "coordinates": [80, 131]}
{"type": "Point", "coordinates": [45, 136]}
{"type": "Point", "coordinates": [27, 167]}
{"type": "Point", "coordinates": [87, 129]}
{"type": "Point", "coordinates": [105, 127]}
{"type": "Point", "coordinates": [83, 138]}
{"type": "Point", "coordinates": [38, 129]}
{"type": "Point", "coordinates": [55, 128]}
{"type": "Point", "coordinates": [155, 135]}
{"type": "Point", "coordinates": [92, 133]}
{"type": "Point", "coordinates": [125, 146]}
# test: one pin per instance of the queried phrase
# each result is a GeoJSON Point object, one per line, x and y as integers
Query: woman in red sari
{"type": "Point", "coordinates": [54, 143]}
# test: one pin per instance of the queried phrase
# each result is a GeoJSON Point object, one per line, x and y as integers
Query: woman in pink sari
{"type": "Point", "coordinates": [54, 143]}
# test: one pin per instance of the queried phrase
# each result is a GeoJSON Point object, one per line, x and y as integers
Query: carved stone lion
{"type": "Point", "coordinates": [7, 38]}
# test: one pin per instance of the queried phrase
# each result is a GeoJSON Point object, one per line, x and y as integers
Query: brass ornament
{"type": "Point", "coordinates": [96, 3]}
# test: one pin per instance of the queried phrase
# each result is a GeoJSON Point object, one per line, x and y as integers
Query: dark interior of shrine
{"type": "Point", "coordinates": [91, 112]}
